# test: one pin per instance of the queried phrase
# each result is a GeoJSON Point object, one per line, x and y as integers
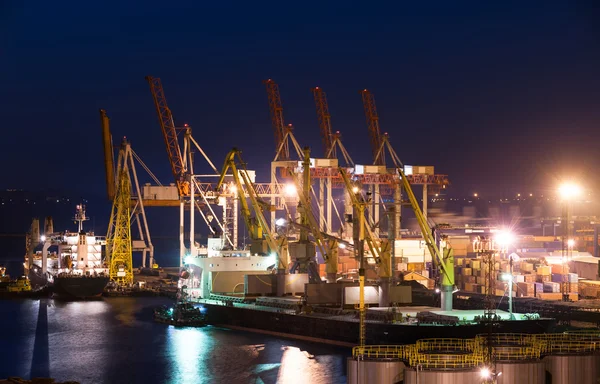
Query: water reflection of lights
{"type": "Point", "coordinates": [298, 366]}
{"type": "Point", "coordinates": [188, 350]}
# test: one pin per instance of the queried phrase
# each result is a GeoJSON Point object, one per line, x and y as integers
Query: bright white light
{"type": "Point", "coordinates": [232, 188]}
{"type": "Point", "coordinates": [187, 260]}
{"type": "Point", "coordinates": [355, 189]}
{"type": "Point", "coordinates": [273, 254]}
{"type": "Point", "coordinates": [505, 238]}
{"type": "Point", "coordinates": [506, 277]}
{"type": "Point", "coordinates": [569, 190]}
{"type": "Point", "coordinates": [437, 290]}
{"type": "Point", "coordinates": [42, 238]}
{"type": "Point", "coordinates": [342, 246]}
{"type": "Point", "coordinates": [485, 373]}
{"type": "Point", "coordinates": [290, 190]}
{"type": "Point", "coordinates": [571, 242]}
{"type": "Point", "coordinates": [280, 222]}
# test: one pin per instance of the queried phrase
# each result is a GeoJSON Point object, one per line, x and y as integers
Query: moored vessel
{"type": "Point", "coordinates": [69, 261]}
{"type": "Point", "coordinates": [183, 314]}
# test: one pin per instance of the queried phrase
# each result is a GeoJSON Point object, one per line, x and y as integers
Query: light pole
{"type": "Point", "coordinates": [567, 192]}
{"type": "Point", "coordinates": [504, 239]}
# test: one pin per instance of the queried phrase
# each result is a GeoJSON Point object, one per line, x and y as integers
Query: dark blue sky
{"type": "Point", "coordinates": [501, 97]}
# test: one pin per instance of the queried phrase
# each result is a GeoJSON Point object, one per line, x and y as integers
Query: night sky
{"type": "Point", "coordinates": [501, 97]}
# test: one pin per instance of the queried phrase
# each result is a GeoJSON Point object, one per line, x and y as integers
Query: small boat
{"type": "Point", "coordinates": [21, 288]}
{"type": "Point", "coordinates": [184, 314]}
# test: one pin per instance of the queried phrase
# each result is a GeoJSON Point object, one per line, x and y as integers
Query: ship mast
{"type": "Point", "coordinates": [80, 217]}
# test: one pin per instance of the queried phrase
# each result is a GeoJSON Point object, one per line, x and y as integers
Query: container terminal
{"type": "Point", "coordinates": [328, 259]}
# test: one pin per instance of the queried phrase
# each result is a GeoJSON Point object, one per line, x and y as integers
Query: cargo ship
{"type": "Point", "coordinates": [237, 289]}
{"type": "Point", "coordinates": [70, 262]}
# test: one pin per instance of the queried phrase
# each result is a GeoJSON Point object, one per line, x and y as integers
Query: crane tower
{"type": "Point", "coordinates": [119, 240]}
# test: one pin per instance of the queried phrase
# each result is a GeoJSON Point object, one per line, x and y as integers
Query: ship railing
{"type": "Point", "coordinates": [398, 352]}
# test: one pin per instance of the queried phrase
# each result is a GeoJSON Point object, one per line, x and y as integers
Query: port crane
{"type": "Point", "coordinates": [182, 167]}
{"type": "Point", "coordinates": [303, 252]}
{"type": "Point", "coordinates": [126, 160]}
{"type": "Point", "coordinates": [442, 255]}
{"type": "Point", "coordinates": [118, 242]}
{"type": "Point", "coordinates": [167, 124]}
{"type": "Point", "coordinates": [263, 240]}
{"type": "Point", "coordinates": [362, 235]}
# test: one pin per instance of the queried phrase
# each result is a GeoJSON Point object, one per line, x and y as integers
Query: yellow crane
{"type": "Point", "coordinates": [119, 240]}
{"type": "Point", "coordinates": [263, 241]}
{"type": "Point", "coordinates": [380, 252]}
{"type": "Point", "coordinates": [442, 256]}
{"type": "Point", "coordinates": [327, 244]}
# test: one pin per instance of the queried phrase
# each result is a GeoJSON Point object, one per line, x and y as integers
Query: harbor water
{"type": "Point", "coordinates": [114, 340]}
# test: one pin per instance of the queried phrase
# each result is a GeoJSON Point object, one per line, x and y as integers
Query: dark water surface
{"type": "Point", "coordinates": [115, 341]}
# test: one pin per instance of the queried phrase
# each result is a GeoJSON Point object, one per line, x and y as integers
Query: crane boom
{"type": "Point", "coordinates": [373, 124]}
{"type": "Point", "coordinates": [324, 122]}
{"type": "Point", "coordinates": [276, 109]}
{"type": "Point", "coordinates": [109, 157]}
{"type": "Point", "coordinates": [165, 118]}
{"type": "Point", "coordinates": [367, 235]}
{"type": "Point", "coordinates": [263, 240]}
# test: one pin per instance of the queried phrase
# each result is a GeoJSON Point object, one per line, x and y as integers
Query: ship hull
{"type": "Point", "coordinates": [344, 332]}
{"type": "Point", "coordinates": [80, 287]}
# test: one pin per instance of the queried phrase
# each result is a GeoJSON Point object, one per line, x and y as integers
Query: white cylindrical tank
{"type": "Point", "coordinates": [375, 371]}
{"type": "Point", "coordinates": [412, 376]}
{"type": "Point", "coordinates": [573, 369]}
{"type": "Point", "coordinates": [531, 372]}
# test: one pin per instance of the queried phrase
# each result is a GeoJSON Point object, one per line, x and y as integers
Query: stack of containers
{"type": "Point", "coordinates": [572, 284]}
{"type": "Point", "coordinates": [589, 288]}
{"type": "Point", "coordinates": [525, 289]}
{"type": "Point", "coordinates": [551, 287]}
{"type": "Point", "coordinates": [544, 274]}
{"type": "Point", "coordinates": [539, 287]}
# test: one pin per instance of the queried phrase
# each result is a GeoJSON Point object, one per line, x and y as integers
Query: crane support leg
{"type": "Point", "coordinates": [425, 201]}
{"type": "Point", "coordinates": [181, 227]}
{"type": "Point", "coordinates": [385, 273]}
{"type": "Point", "coordinates": [331, 266]}
{"type": "Point", "coordinates": [447, 280]}
{"type": "Point", "coordinates": [398, 211]}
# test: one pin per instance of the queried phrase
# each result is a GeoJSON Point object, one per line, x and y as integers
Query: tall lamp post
{"type": "Point", "coordinates": [504, 239]}
{"type": "Point", "coordinates": [567, 192]}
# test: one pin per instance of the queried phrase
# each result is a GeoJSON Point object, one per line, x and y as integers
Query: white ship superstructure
{"type": "Point", "coordinates": [214, 269]}
{"type": "Point", "coordinates": [78, 253]}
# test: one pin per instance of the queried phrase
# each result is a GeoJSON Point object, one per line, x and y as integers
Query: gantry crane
{"type": "Point", "coordinates": [119, 239]}
{"type": "Point", "coordinates": [283, 137]}
{"type": "Point", "coordinates": [108, 155]}
{"type": "Point", "coordinates": [324, 122]}
{"type": "Point", "coordinates": [381, 252]}
{"type": "Point", "coordinates": [276, 109]}
{"type": "Point", "coordinates": [126, 161]}
{"type": "Point", "coordinates": [167, 124]}
{"type": "Point", "coordinates": [329, 150]}
{"type": "Point", "coordinates": [327, 244]}
{"type": "Point", "coordinates": [373, 124]}
{"type": "Point", "coordinates": [442, 256]}
{"type": "Point", "coordinates": [263, 240]}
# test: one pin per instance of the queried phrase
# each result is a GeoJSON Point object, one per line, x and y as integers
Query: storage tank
{"type": "Point", "coordinates": [529, 372]}
{"type": "Point", "coordinates": [573, 369]}
{"type": "Point", "coordinates": [412, 376]}
{"type": "Point", "coordinates": [375, 371]}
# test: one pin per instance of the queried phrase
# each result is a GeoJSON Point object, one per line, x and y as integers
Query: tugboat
{"type": "Point", "coordinates": [72, 260]}
{"type": "Point", "coordinates": [19, 288]}
{"type": "Point", "coordinates": [184, 314]}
